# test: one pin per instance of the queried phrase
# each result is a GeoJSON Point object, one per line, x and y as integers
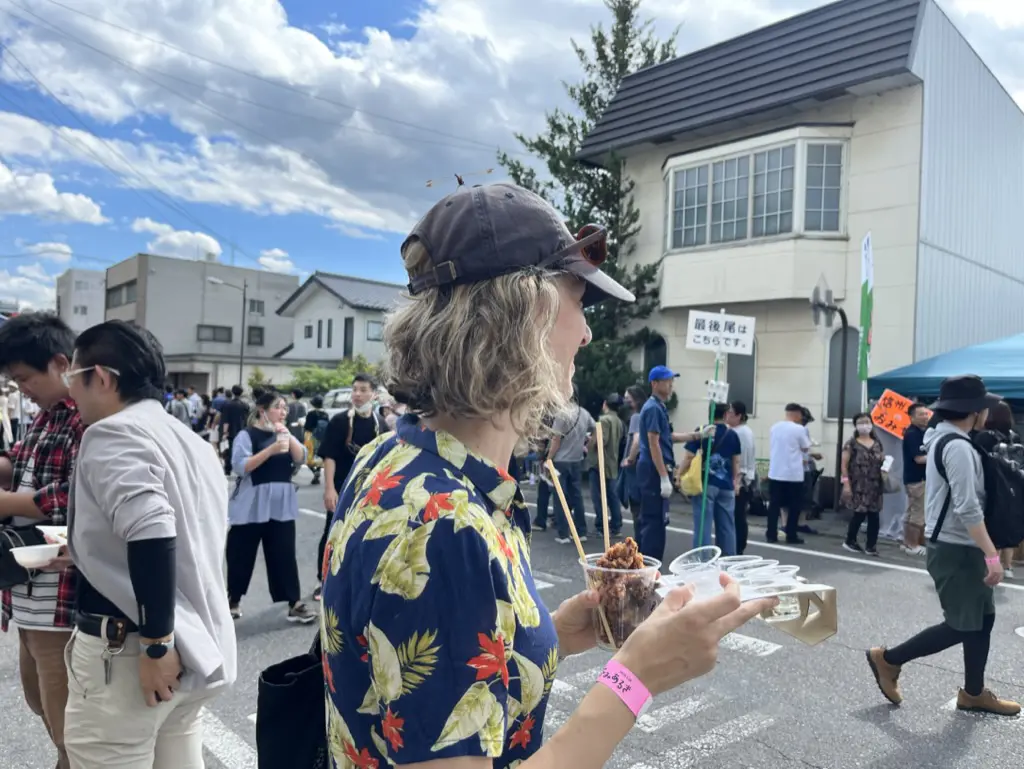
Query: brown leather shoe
{"type": "Point", "coordinates": [886, 676]}
{"type": "Point", "coordinates": [986, 702]}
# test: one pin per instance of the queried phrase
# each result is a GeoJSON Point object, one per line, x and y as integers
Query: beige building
{"type": "Point", "coordinates": [761, 163]}
{"type": "Point", "coordinates": [196, 309]}
{"type": "Point", "coordinates": [337, 317]}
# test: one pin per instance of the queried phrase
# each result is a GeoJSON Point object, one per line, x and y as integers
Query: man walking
{"type": "Point", "coordinates": [567, 450]}
{"type": "Point", "coordinates": [35, 351]}
{"type": "Point", "coordinates": [915, 459]}
{"type": "Point", "coordinates": [233, 417]}
{"type": "Point", "coordinates": [612, 430]}
{"type": "Point", "coordinates": [154, 639]}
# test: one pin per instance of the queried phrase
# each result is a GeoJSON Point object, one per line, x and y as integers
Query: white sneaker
{"type": "Point", "coordinates": [1008, 573]}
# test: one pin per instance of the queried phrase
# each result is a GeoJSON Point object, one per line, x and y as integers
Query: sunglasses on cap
{"type": "Point", "coordinates": [591, 244]}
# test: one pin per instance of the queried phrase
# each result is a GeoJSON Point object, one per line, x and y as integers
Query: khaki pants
{"type": "Point", "coordinates": [44, 681]}
{"type": "Point", "coordinates": [109, 726]}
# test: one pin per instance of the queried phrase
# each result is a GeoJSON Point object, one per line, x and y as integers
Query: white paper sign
{"type": "Point", "coordinates": [718, 332]}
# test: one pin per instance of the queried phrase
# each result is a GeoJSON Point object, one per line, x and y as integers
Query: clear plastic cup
{"type": "Point", "coordinates": [705, 579]}
{"type": "Point", "coordinates": [726, 562]}
{"type": "Point", "coordinates": [739, 569]}
{"type": "Point", "coordinates": [627, 598]}
{"type": "Point", "coordinates": [701, 556]}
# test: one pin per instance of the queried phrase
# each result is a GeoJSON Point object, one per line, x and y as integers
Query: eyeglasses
{"type": "Point", "coordinates": [591, 243]}
{"type": "Point", "coordinates": [67, 376]}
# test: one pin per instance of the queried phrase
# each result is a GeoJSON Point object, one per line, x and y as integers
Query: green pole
{"type": "Point", "coordinates": [706, 463]}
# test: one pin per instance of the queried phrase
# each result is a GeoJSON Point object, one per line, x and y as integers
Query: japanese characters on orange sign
{"type": "Point", "coordinates": [890, 413]}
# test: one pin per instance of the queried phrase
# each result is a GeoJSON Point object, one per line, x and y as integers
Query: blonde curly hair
{"type": "Point", "coordinates": [479, 350]}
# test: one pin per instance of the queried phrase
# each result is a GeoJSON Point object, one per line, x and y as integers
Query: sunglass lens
{"type": "Point", "coordinates": [596, 252]}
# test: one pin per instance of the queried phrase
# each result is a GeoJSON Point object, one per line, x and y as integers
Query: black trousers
{"type": "Point", "coordinates": [740, 516]}
{"type": "Point", "coordinates": [328, 520]}
{"type": "Point", "coordinates": [278, 540]}
{"type": "Point", "coordinates": [789, 495]}
{"type": "Point", "coordinates": [854, 529]}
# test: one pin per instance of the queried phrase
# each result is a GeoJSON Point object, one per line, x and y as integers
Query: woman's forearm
{"type": "Point", "coordinates": [589, 737]}
{"type": "Point", "coordinates": [256, 460]}
{"type": "Point", "coordinates": [298, 451]}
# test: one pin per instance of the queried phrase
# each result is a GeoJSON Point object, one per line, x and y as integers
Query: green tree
{"type": "Point", "coordinates": [603, 195]}
{"type": "Point", "coordinates": [318, 379]}
{"type": "Point", "coordinates": [257, 379]}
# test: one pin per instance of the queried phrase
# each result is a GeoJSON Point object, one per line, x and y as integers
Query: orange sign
{"type": "Point", "coordinates": [890, 413]}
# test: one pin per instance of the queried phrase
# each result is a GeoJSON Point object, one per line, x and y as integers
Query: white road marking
{"type": "Point", "coordinates": [313, 513]}
{"type": "Point", "coordinates": [819, 554]}
{"type": "Point", "coordinates": [227, 747]}
{"type": "Point", "coordinates": [691, 752]}
{"type": "Point", "coordinates": [744, 644]}
{"type": "Point", "coordinates": [541, 584]}
{"type": "Point", "coordinates": [552, 578]}
{"type": "Point", "coordinates": [670, 714]}
{"type": "Point", "coordinates": [558, 686]}
{"type": "Point", "coordinates": [252, 717]}
{"type": "Point", "coordinates": [1020, 631]}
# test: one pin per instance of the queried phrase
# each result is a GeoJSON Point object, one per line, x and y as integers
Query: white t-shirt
{"type": "Point", "coordinates": [789, 443]}
{"type": "Point", "coordinates": [748, 452]}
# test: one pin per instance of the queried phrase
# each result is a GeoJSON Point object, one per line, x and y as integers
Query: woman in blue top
{"type": "Point", "coordinates": [263, 508]}
{"type": "Point", "coordinates": [438, 651]}
{"type": "Point", "coordinates": [718, 502]}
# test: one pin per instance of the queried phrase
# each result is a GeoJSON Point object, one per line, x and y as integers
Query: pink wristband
{"type": "Point", "coordinates": [992, 560]}
{"type": "Point", "coordinates": [627, 687]}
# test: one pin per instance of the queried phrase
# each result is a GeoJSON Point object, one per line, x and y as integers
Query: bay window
{"type": "Point", "coordinates": [787, 186]}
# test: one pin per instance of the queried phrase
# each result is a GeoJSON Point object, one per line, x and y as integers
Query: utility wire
{"type": "Point", "coordinates": [168, 202]}
{"type": "Point", "coordinates": [275, 83]}
{"type": "Point", "coordinates": [228, 95]}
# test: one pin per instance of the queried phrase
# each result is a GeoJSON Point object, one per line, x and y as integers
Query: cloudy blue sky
{"type": "Point", "coordinates": [296, 135]}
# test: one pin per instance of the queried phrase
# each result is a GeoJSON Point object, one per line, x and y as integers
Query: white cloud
{"type": "Point", "coordinates": [276, 260]}
{"type": "Point", "coordinates": [55, 252]}
{"type": "Point", "coordinates": [181, 243]}
{"type": "Point", "coordinates": [34, 193]}
{"type": "Point", "coordinates": [30, 286]}
{"type": "Point", "coordinates": [355, 232]}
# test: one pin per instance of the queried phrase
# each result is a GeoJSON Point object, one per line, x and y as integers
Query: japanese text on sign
{"type": "Point", "coordinates": [718, 332]}
{"type": "Point", "coordinates": [891, 413]}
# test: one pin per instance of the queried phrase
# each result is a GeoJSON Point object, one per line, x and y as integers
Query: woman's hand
{"type": "Point", "coordinates": [574, 623]}
{"type": "Point", "coordinates": [679, 641]}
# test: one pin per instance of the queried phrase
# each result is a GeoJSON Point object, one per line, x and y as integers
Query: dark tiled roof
{"type": "Point", "coordinates": [814, 56]}
{"type": "Point", "coordinates": [356, 292]}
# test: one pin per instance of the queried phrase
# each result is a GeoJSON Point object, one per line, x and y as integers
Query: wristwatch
{"type": "Point", "coordinates": [157, 651]}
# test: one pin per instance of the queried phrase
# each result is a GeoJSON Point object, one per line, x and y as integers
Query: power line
{"type": "Point", "coordinates": [269, 81]}
{"type": "Point", "coordinates": [236, 97]}
{"type": "Point", "coordinates": [71, 256]}
{"type": "Point", "coordinates": [169, 202]}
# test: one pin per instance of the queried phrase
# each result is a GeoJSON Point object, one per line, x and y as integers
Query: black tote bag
{"type": "Point", "coordinates": [291, 728]}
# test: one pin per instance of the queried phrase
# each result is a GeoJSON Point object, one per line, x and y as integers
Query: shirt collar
{"type": "Point", "coordinates": [494, 482]}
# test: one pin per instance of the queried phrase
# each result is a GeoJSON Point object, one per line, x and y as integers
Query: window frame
{"type": "Point", "coordinates": [861, 386]}
{"type": "Point", "coordinates": [257, 307]}
{"type": "Point", "coordinates": [307, 331]}
{"type": "Point", "coordinates": [800, 138]}
{"type": "Point", "coordinates": [249, 333]}
{"type": "Point", "coordinates": [752, 404]}
{"type": "Point", "coordinates": [380, 325]}
{"type": "Point", "coordinates": [213, 334]}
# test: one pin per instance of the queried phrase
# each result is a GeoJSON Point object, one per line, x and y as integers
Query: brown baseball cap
{"type": "Point", "coordinates": [483, 232]}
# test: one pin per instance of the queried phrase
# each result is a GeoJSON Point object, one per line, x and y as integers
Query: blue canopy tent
{"type": "Point", "coordinates": [1000, 363]}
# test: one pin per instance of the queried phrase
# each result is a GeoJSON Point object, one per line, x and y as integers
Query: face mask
{"type": "Point", "coordinates": [364, 410]}
{"type": "Point", "coordinates": [864, 429]}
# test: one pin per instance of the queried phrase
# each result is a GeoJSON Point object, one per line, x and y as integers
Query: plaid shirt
{"type": "Point", "coordinates": [49, 448]}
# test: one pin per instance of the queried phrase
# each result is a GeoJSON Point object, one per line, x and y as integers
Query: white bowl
{"type": "Point", "coordinates": [35, 556]}
{"type": "Point", "coordinates": [59, 533]}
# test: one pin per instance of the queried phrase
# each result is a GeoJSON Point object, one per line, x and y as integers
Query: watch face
{"type": "Point", "coordinates": [156, 651]}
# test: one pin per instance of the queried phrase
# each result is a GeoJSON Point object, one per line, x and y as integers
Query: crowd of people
{"type": "Point", "coordinates": [434, 646]}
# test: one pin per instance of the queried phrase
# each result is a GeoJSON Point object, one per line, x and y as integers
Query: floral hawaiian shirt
{"type": "Point", "coordinates": [436, 643]}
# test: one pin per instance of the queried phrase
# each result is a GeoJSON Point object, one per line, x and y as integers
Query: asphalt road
{"type": "Point", "coordinates": [772, 702]}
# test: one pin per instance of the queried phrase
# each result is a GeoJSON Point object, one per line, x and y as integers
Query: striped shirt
{"type": "Point", "coordinates": [43, 460]}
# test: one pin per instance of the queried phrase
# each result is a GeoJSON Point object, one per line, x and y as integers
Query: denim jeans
{"type": "Point", "coordinates": [719, 509]}
{"type": "Point", "coordinates": [543, 504]}
{"type": "Point", "coordinates": [614, 509]}
{"type": "Point", "coordinates": [571, 477]}
{"type": "Point", "coordinates": [650, 530]}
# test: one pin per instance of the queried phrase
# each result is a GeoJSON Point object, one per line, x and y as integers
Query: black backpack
{"type": "Point", "coordinates": [1004, 493]}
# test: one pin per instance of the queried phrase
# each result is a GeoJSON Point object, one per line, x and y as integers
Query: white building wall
{"type": "Point", "coordinates": [320, 307]}
{"type": "Point", "coordinates": [881, 196]}
{"type": "Point", "coordinates": [80, 298]}
{"type": "Point", "coordinates": [972, 180]}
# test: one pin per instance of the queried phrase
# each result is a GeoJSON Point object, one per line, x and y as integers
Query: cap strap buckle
{"type": "Point", "coordinates": [436, 277]}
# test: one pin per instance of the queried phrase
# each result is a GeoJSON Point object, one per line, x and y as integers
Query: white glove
{"type": "Point", "coordinates": [666, 487]}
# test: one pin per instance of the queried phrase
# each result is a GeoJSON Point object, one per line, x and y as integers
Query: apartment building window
{"type": "Point", "coordinates": [330, 332]}
{"type": "Point", "coordinates": [256, 307]}
{"type": "Point", "coordinates": [824, 187]}
{"type": "Point", "coordinates": [374, 331]}
{"type": "Point", "coordinates": [307, 331]}
{"type": "Point", "coordinates": [121, 295]}
{"type": "Point", "coordinates": [80, 309]}
{"type": "Point", "coordinates": [255, 336]}
{"type": "Point", "coordinates": [319, 334]}
{"type": "Point", "coordinates": [214, 333]}
{"type": "Point", "coordinates": [778, 188]}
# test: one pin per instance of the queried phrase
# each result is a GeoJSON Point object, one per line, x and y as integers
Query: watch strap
{"type": "Point", "coordinates": [626, 686]}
